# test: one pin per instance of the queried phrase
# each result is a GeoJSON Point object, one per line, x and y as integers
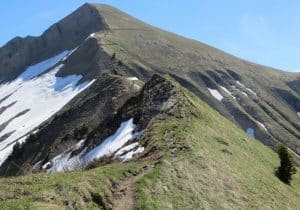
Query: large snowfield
{"type": "Point", "coordinates": [32, 98]}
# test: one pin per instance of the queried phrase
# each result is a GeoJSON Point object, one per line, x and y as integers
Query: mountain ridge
{"type": "Point", "coordinates": [100, 10]}
{"type": "Point", "coordinates": [257, 98]}
{"type": "Point", "coordinates": [187, 164]}
{"type": "Point", "coordinates": [132, 115]}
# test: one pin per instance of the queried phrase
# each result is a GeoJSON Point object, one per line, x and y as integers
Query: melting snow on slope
{"type": "Point", "coordinates": [64, 161]}
{"type": "Point", "coordinates": [227, 91]}
{"type": "Point", "coordinates": [216, 94]}
{"type": "Point", "coordinates": [250, 90]}
{"type": "Point", "coordinates": [250, 132]}
{"type": "Point", "coordinates": [261, 125]}
{"type": "Point", "coordinates": [35, 70]}
{"type": "Point", "coordinates": [42, 95]}
{"type": "Point", "coordinates": [245, 94]}
{"type": "Point", "coordinates": [92, 35]}
{"type": "Point", "coordinates": [132, 78]}
{"type": "Point", "coordinates": [114, 144]}
{"type": "Point", "coordinates": [126, 153]}
{"type": "Point", "coordinates": [135, 86]}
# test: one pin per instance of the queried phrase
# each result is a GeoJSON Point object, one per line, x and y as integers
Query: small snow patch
{"type": "Point", "coordinates": [261, 125]}
{"type": "Point", "coordinates": [136, 87]}
{"type": "Point", "coordinates": [64, 162]}
{"type": "Point", "coordinates": [298, 114]}
{"type": "Point", "coordinates": [114, 142]}
{"type": "Point", "coordinates": [240, 84]}
{"type": "Point", "coordinates": [127, 152]}
{"type": "Point", "coordinates": [227, 91]}
{"type": "Point", "coordinates": [248, 89]}
{"type": "Point", "coordinates": [92, 35]}
{"type": "Point", "coordinates": [216, 94]}
{"type": "Point", "coordinates": [132, 78]}
{"type": "Point", "coordinates": [69, 54]}
{"type": "Point", "coordinates": [245, 94]}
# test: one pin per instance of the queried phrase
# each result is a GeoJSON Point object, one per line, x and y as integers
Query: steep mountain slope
{"type": "Point", "coordinates": [26, 98]}
{"type": "Point", "coordinates": [103, 41]}
{"type": "Point", "coordinates": [255, 97]}
{"type": "Point", "coordinates": [187, 164]}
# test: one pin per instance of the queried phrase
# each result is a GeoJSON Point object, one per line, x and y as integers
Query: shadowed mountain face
{"type": "Point", "coordinates": [19, 53]}
{"type": "Point", "coordinates": [106, 46]}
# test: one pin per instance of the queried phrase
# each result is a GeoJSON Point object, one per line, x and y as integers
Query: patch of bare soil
{"type": "Point", "coordinates": [124, 195]}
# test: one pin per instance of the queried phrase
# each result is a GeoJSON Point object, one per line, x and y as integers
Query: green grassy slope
{"type": "Point", "coordinates": [207, 162]}
{"type": "Point", "coordinates": [80, 190]}
{"type": "Point", "coordinates": [224, 169]}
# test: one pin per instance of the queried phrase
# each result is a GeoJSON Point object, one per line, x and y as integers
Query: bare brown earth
{"type": "Point", "coordinates": [124, 195]}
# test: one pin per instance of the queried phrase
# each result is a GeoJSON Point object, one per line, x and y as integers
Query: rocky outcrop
{"type": "Point", "coordinates": [158, 97]}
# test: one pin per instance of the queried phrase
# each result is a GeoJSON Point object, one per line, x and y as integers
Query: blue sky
{"type": "Point", "coordinates": [262, 31]}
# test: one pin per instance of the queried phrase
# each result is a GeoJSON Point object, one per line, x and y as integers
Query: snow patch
{"type": "Point", "coordinates": [127, 152]}
{"type": "Point", "coordinates": [41, 94]}
{"type": "Point", "coordinates": [248, 89]}
{"type": "Point", "coordinates": [92, 35]}
{"type": "Point", "coordinates": [63, 83]}
{"type": "Point", "coordinates": [261, 125]}
{"type": "Point", "coordinates": [37, 69]}
{"type": "Point", "coordinates": [132, 78]}
{"type": "Point", "coordinates": [136, 87]}
{"type": "Point", "coordinates": [227, 91]}
{"type": "Point", "coordinates": [8, 148]}
{"type": "Point", "coordinates": [113, 144]}
{"type": "Point", "coordinates": [250, 132]}
{"type": "Point", "coordinates": [245, 94]}
{"type": "Point", "coordinates": [64, 161]}
{"type": "Point", "coordinates": [216, 94]}
{"type": "Point", "coordinates": [69, 54]}
{"type": "Point", "coordinates": [129, 155]}
{"type": "Point", "coordinates": [298, 114]}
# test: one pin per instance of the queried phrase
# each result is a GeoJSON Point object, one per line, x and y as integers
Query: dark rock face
{"type": "Point", "coordinates": [67, 34]}
{"type": "Point", "coordinates": [89, 60]}
{"type": "Point", "coordinates": [158, 97]}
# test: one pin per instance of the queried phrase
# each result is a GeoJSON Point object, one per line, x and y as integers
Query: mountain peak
{"type": "Point", "coordinates": [66, 34]}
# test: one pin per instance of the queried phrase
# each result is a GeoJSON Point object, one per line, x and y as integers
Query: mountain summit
{"type": "Point", "coordinates": [101, 88]}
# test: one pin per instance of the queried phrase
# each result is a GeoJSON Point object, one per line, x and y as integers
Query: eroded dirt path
{"type": "Point", "coordinates": [124, 195]}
